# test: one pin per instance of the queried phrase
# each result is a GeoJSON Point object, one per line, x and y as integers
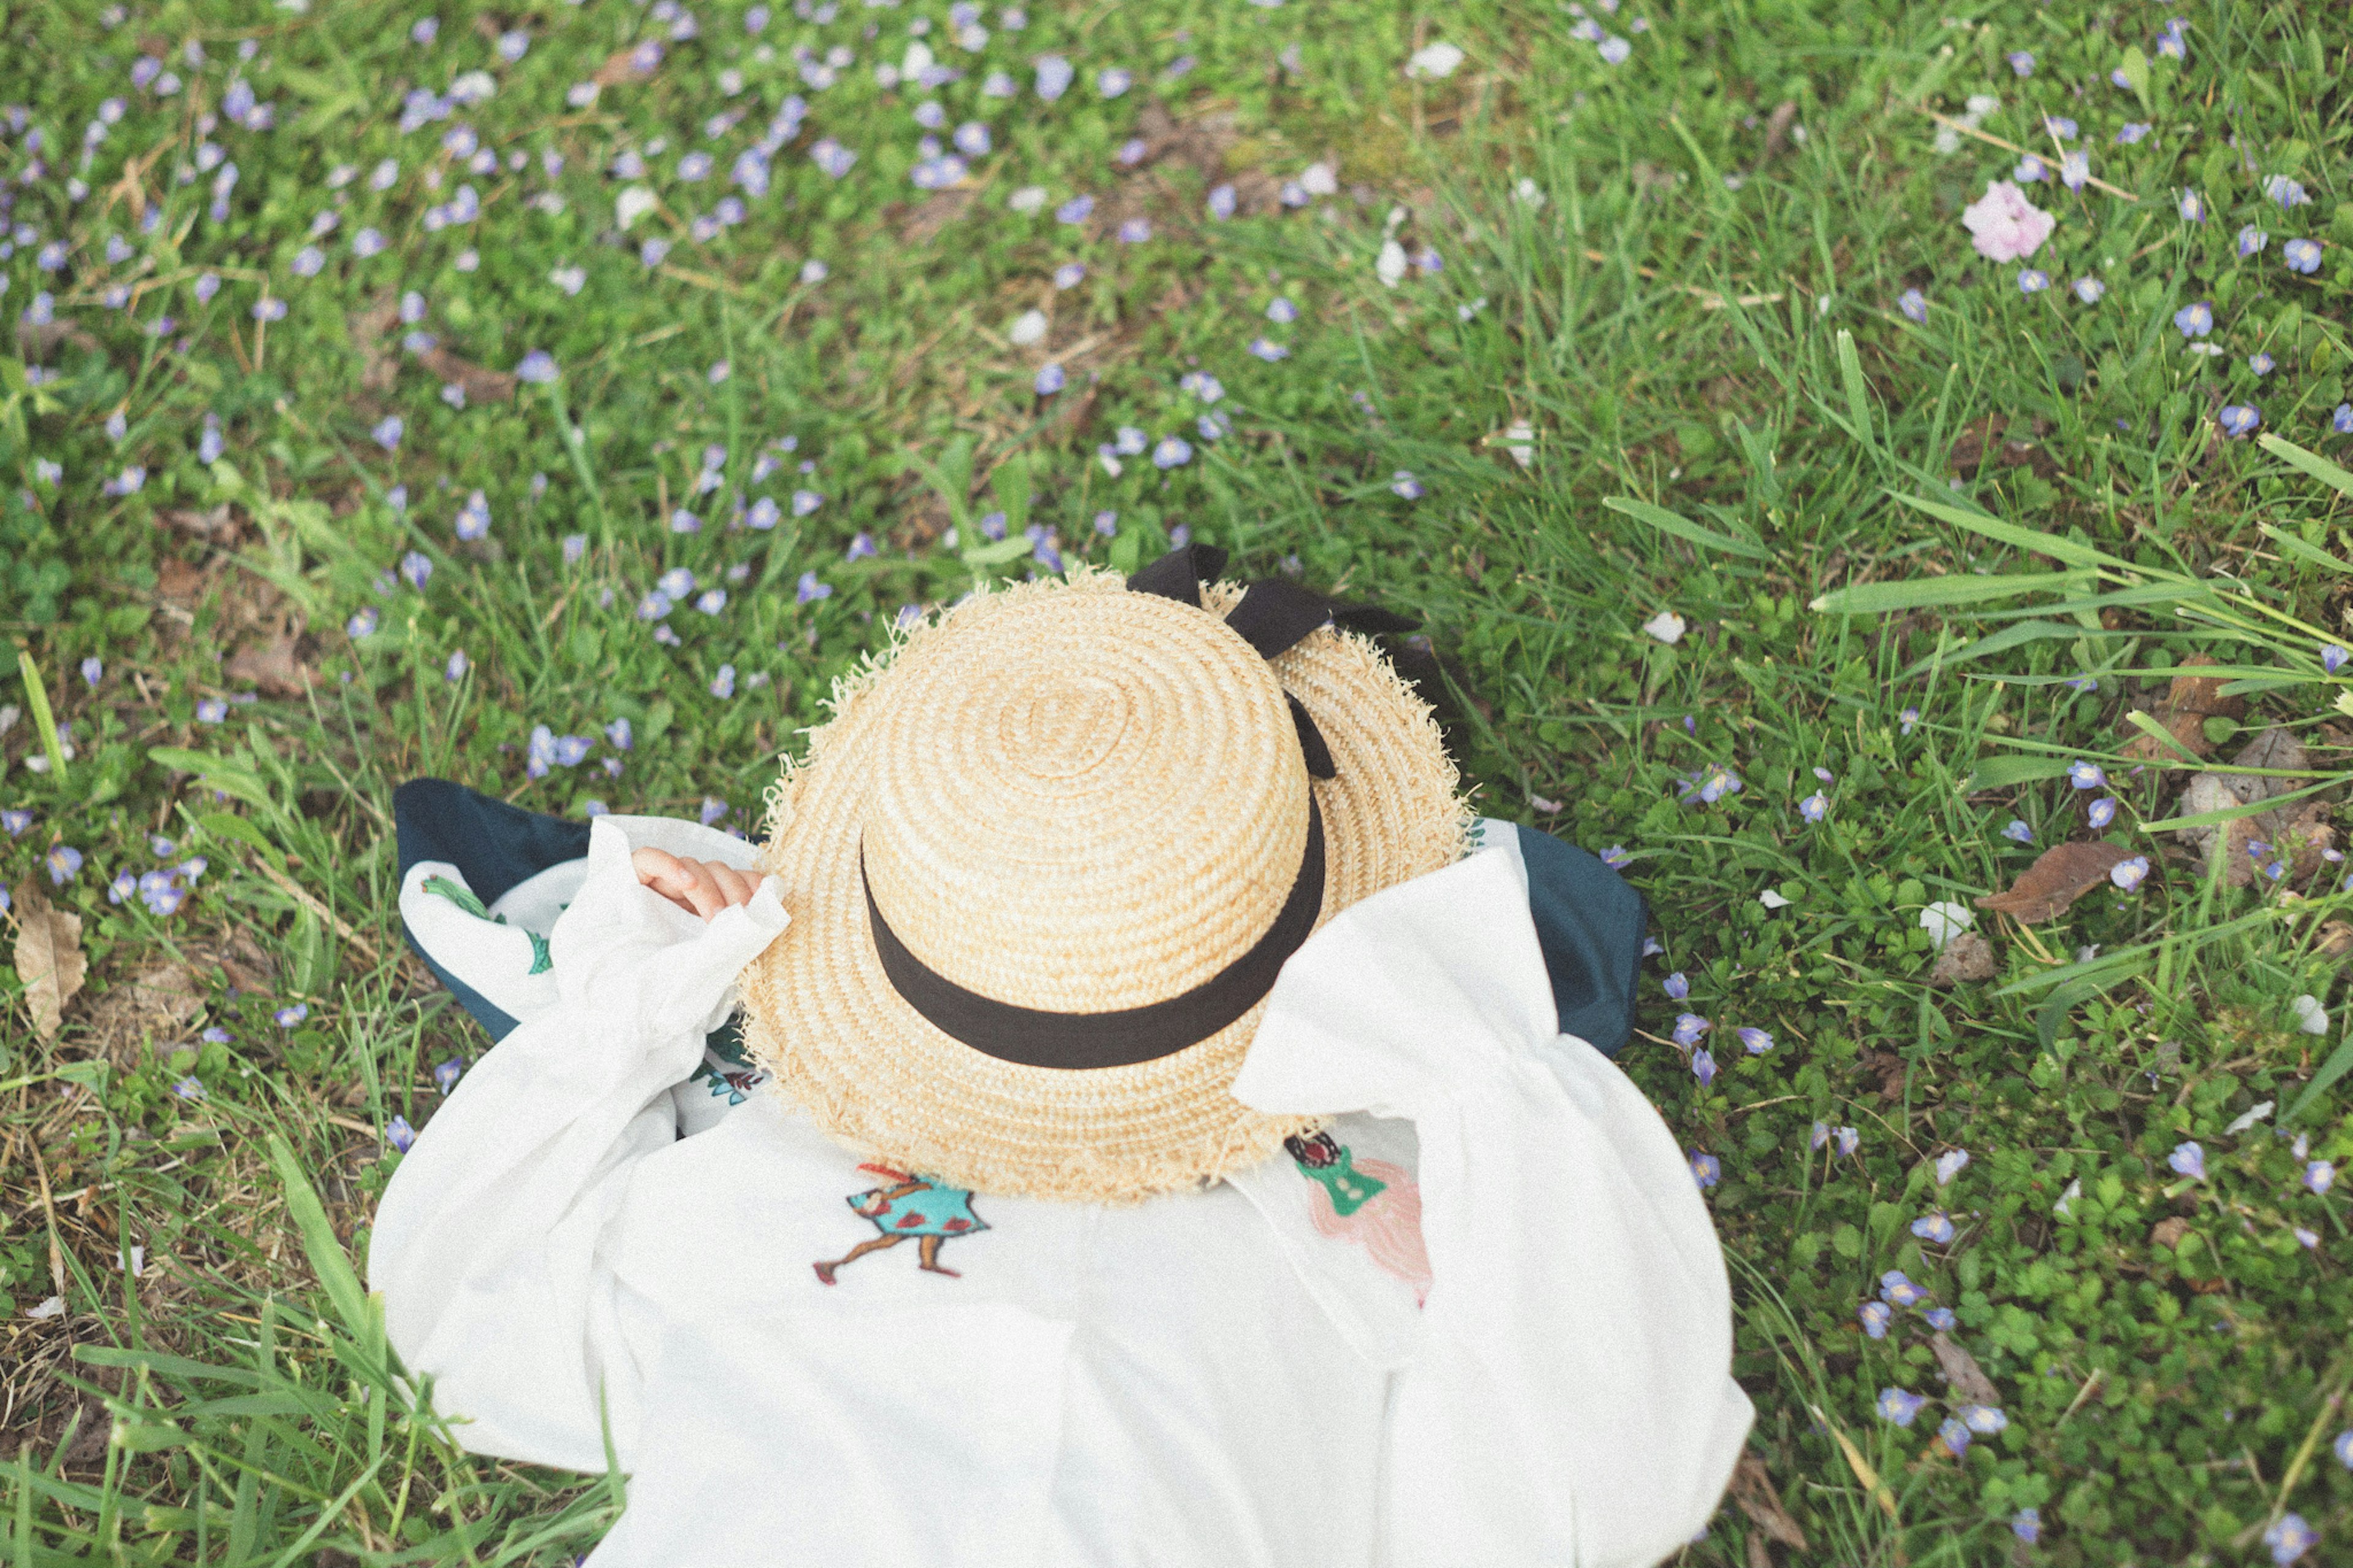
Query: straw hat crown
{"type": "Point", "coordinates": [1126, 763]}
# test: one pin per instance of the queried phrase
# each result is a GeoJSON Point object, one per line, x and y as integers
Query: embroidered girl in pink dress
{"type": "Point", "coordinates": [1376, 1206]}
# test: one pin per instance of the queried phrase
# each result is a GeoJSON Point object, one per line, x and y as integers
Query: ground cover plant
{"type": "Point", "coordinates": [1854, 461]}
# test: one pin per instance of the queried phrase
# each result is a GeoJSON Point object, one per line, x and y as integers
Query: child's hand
{"type": "Point", "coordinates": [698, 887]}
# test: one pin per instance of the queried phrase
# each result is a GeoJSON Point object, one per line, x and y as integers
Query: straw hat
{"type": "Point", "coordinates": [1047, 857]}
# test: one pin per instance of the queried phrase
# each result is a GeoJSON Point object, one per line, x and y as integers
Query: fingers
{"type": "Point", "coordinates": [701, 887]}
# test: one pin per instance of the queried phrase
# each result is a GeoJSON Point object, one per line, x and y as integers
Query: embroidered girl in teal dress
{"type": "Point", "coordinates": [1378, 1206]}
{"type": "Point", "coordinates": [912, 1206]}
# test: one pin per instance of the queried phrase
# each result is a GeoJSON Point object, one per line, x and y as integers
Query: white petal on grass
{"type": "Point", "coordinates": [2066, 1203]}
{"type": "Point", "coordinates": [1389, 265]}
{"type": "Point", "coordinates": [54, 1307]}
{"type": "Point", "coordinates": [1528, 194]}
{"type": "Point", "coordinates": [1772, 900]}
{"type": "Point", "coordinates": [1667, 626]}
{"type": "Point", "coordinates": [1944, 920]}
{"type": "Point", "coordinates": [2248, 1119]}
{"type": "Point", "coordinates": [1027, 199]}
{"type": "Point", "coordinates": [2310, 1015]}
{"type": "Point", "coordinates": [1028, 327]}
{"type": "Point", "coordinates": [1433, 61]}
{"type": "Point", "coordinates": [631, 204]}
{"type": "Point", "coordinates": [1318, 180]}
{"type": "Point", "coordinates": [1519, 440]}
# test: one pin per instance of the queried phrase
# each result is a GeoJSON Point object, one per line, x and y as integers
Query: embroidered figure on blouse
{"type": "Point", "coordinates": [727, 1069]}
{"type": "Point", "coordinates": [463, 897]}
{"type": "Point", "coordinates": [911, 1205]}
{"type": "Point", "coordinates": [1376, 1205]}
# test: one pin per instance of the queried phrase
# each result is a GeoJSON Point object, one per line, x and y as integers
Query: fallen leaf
{"type": "Point", "coordinates": [1752, 1489]}
{"type": "Point", "coordinates": [2297, 836]}
{"type": "Point", "coordinates": [2168, 1232]}
{"type": "Point", "coordinates": [1968, 1381]}
{"type": "Point", "coordinates": [625, 65]}
{"type": "Point", "coordinates": [923, 224]}
{"type": "Point", "coordinates": [153, 1007]}
{"type": "Point", "coordinates": [1891, 1069]}
{"type": "Point", "coordinates": [2335, 939]}
{"type": "Point", "coordinates": [272, 666]}
{"type": "Point", "coordinates": [483, 385]}
{"type": "Point", "coordinates": [213, 527]}
{"type": "Point", "coordinates": [176, 579]}
{"type": "Point", "coordinates": [2190, 702]}
{"type": "Point", "coordinates": [48, 957]}
{"type": "Point", "coordinates": [2060, 874]}
{"type": "Point", "coordinates": [366, 329]}
{"type": "Point", "coordinates": [1968, 956]}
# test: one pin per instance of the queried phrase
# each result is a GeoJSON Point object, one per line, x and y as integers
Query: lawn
{"type": "Point", "coordinates": [396, 391]}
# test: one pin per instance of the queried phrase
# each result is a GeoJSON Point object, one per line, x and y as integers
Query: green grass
{"type": "Point", "coordinates": [1687, 310]}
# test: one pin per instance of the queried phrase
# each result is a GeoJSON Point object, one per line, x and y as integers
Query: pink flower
{"type": "Point", "coordinates": [2006, 225]}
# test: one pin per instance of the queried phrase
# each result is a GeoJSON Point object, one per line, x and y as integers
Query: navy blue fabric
{"type": "Point", "coordinates": [1589, 924]}
{"type": "Point", "coordinates": [494, 846]}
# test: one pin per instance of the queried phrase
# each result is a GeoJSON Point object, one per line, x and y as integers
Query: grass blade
{"type": "Point", "coordinates": [1683, 528]}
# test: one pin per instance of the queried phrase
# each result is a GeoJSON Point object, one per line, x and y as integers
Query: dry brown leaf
{"type": "Point", "coordinates": [934, 213]}
{"type": "Point", "coordinates": [2168, 1232]}
{"type": "Point", "coordinates": [1752, 1489]}
{"type": "Point", "coordinates": [2060, 874]}
{"type": "Point", "coordinates": [176, 579]}
{"type": "Point", "coordinates": [2335, 939]}
{"type": "Point", "coordinates": [153, 1005]}
{"type": "Point", "coordinates": [2190, 702]}
{"type": "Point", "coordinates": [272, 666]}
{"type": "Point", "coordinates": [1968, 956]}
{"type": "Point", "coordinates": [627, 65]}
{"type": "Point", "coordinates": [483, 385]}
{"type": "Point", "coordinates": [48, 957]}
{"type": "Point", "coordinates": [1967, 1379]}
{"type": "Point", "coordinates": [2297, 836]}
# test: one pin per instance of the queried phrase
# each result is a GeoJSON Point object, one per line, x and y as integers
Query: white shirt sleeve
{"type": "Point", "coordinates": [486, 1247]}
{"type": "Point", "coordinates": [1573, 1403]}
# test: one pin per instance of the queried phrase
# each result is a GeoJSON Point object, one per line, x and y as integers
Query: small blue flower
{"type": "Point", "coordinates": [2132, 132]}
{"type": "Point", "coordinates": [1755, 1041]}
{"type": "Point", "coordinates": [2127, 874]}
{"type": "Point", "coordinates": [399, 1134]}
{"type": "Point", "coordinates": [1897, 1405]}
{"type": "Point", "coordinates": [1676, 986]}
{"type": "Point", "coordinates": [2090, 289]}
{"type": "Point", "coordinates": [189, 1089]}
{"type": "Point", "coordinates": [2261, 363]}
{"type": "Point", "coordinates": [1845, 1141]}
{"type": "Point", "coordinates": [2290, 1539]}
{"type": "Point", "coordinates": [289, 1017]}
{"type": "Point", "coordinates": [2027, 1525]}
{"type": "Point", "coordinates": [1617, 858]}
{"type": "Point", "coordinates": [2018, 832]}
{"type": "Point", "coordinates": [1908, 718]}
{"type": "Point", "coordinates": [2102, 812]}
{"type": "Point", "coordinates": [1938, 1317]}
{"type": "Point", "coordinates": [2301, 255]}
{"type": "Point", "coordinates": [2286, 192]}
{"type": "Point", "coordinates": [445, 1076]}
{"type": "Point", "coordinates": [2034, 280]}
{"type": "Point", "coordinates": [2342, 421]}
{"type": "Point", "coordinates": [1172, 452]}
{"type": "Point", "coordinates": [2240, 420]}
{"type": "Point", "coordinates": [2192, 207]}
{"type": "Point", "coordinates": [1897, 1289]}
{"type": "Point", "coordinates": [1951, 1164]}
{"type": "Point", "coordinates": [2332, 657]}
{"type": "Point", "coordinates": [1703, 1067]}
{"type": "Point", "coordinates": [1689, 1027]}
{"type": "Point", "coordinates": [65, 864]}
{"type": "Point", "coordinates": [1262, 348]}
{"type": "Point", "coordinates": [2196, 320]}
{"type": "Point", "coordinates": [723, 685]}
{"type": "Point", "coordinates": [1956, 1436]}
{"type": "Point", "coordinates": [2023, 64]}
{"type": "Point", "coordinates": [811, 590]}
{"type": "Point", "coordinates": [1706, 1169]}
{"type": "Point", "coordinates": [2319, 1175]}
{"type": "Point", "coordinates": [387, 432]}
{"type": "Point", "coordinates": [537, 367]}
{"type": "Point", "coordinates": [1406, 485]}
{"type": "Point", "coordinates": [1936, 1226]}
{"type": "Point", "coordinates": [1913, 304]}
{"type": "Point", "coordinates": [1049, 381]}
{"type": "Point", "coordinates": [2188, 1160]}
{"type": "Point", "coordinates": [2252, 239]}
{"type": "Point", "coordinates": [1875, 1316]}
{"type": "Point", "coordinates": [2085, 774]}
{"type": "Point", "coordinates": [2029, 170]}
{"type": "Point", "coordinates": [2344, 1447]}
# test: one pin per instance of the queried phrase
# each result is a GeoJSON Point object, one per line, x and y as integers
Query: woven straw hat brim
{"type": "Point", "coordinates": [846, 1048]}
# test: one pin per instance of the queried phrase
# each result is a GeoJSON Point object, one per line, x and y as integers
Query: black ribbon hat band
{"type": "Point", "coordinates": [1272, 614]}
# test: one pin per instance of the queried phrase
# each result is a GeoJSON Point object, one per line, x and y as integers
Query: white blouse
{"type": "Point", "coordinates": [1492, 1326]}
